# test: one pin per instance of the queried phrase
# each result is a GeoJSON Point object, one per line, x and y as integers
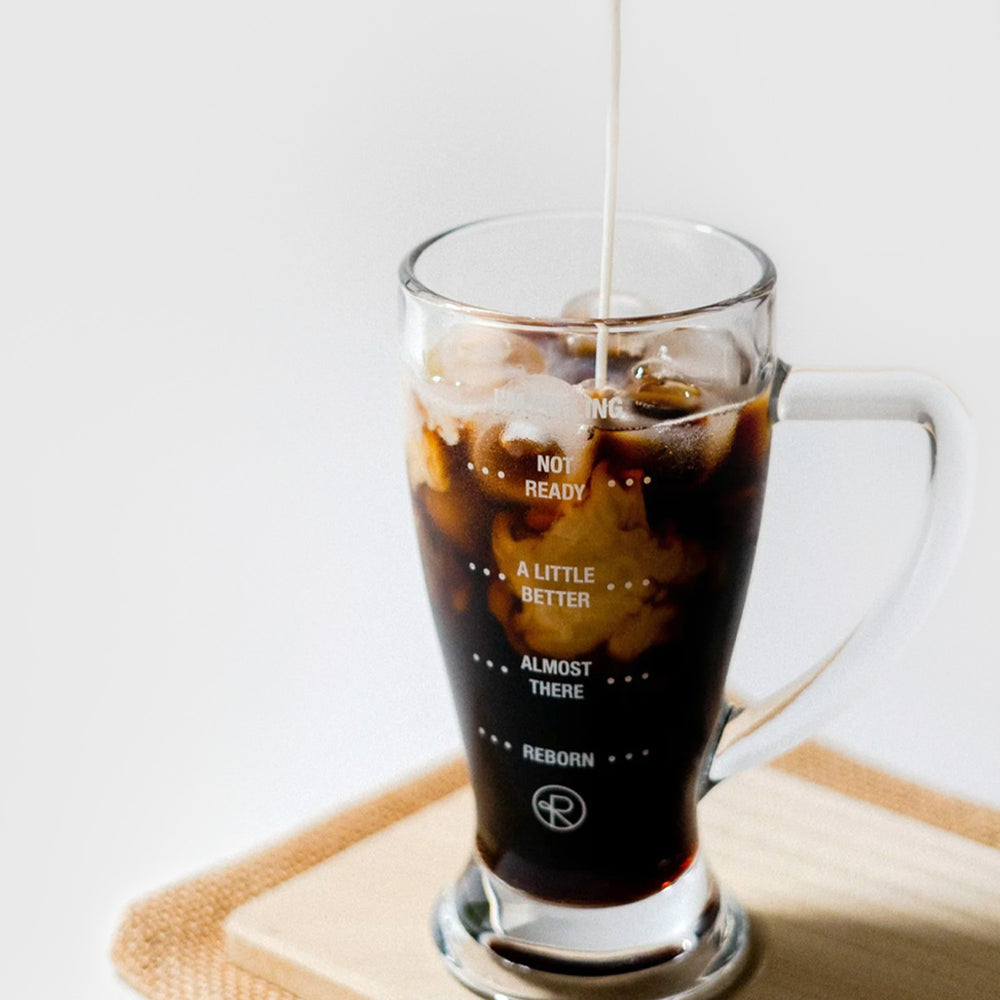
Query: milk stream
{"type": "Point", "coordinates": [610, 196]}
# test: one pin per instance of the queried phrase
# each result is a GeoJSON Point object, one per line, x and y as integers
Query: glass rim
{"type": "Point", "coordinates": [758, 291]}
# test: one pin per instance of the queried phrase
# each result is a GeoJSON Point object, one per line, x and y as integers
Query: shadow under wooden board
{"type": "Point", "coordinates": [848, 898]}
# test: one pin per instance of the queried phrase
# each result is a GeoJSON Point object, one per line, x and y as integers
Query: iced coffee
{"type": "Point", "coordinates": [587, 549]}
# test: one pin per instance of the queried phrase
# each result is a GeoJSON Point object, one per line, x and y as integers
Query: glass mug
{"type": "Point", "coordinates": [587, 538]}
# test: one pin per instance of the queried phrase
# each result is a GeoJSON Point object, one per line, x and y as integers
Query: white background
{"type": "Point", "coordinates": [213, 625]}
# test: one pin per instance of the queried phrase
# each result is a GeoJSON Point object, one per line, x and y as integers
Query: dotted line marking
{"type": "Point", "coordinates": [630, 755]}
{"type": "Point", "coordinates": [504, 669]}
{"type": "Point", "coordinates": [495, 740]}
{"type": "Point", "coordinates": [500, 474]}
{"type": "Point", "coordinates": [629, 584]}
{"type": "Point", "coordinates": [486, 571]}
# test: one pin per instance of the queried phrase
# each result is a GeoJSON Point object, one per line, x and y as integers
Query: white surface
{"type": "Point", "coordinates": [214, 627]}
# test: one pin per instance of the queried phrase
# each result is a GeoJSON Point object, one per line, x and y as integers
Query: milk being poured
{"type": "Point", "coordinates": [610, 197]}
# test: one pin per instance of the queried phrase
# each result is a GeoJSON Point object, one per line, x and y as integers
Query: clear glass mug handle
{"type": "Point", "coordinates": [763, 730]}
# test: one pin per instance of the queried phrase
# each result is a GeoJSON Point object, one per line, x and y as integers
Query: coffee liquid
{"type": "Point", "coordinates": [587, 554]}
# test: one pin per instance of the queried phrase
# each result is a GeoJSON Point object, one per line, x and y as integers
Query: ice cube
{"type": "Point", "coordinates": [482, 357]}
{"type": "Point", "coordinates": [538, 414]}
{"type": "Point", "coordinates": [586, 306]}
{"type": "Point", "coordinates": [544, 408]}
{"type": "Point", "coordinates": [708, 356]}
{"type": "Point", "coordinates": [658, 389]}
{"type": "Point", "coordinates": [716, 436]}
{"type": "Point", "coordinates": [697, 445]}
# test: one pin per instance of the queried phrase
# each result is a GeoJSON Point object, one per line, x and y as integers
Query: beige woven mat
{"type": "Point", "coordinates": [171, 946]}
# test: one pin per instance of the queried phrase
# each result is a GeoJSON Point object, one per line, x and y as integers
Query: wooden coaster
{"type": "Point", "coordinates": [847, 899]}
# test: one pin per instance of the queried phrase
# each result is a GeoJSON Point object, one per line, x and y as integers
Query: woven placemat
{"type": "Point", "coordinates": [171, 946]}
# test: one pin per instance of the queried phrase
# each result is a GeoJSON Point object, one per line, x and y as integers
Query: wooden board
{"type": "Point", "coordinates": [848, 900]}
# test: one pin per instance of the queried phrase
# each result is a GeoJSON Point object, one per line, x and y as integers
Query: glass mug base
{"type": "Point", "coordinates": [689, 940]}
